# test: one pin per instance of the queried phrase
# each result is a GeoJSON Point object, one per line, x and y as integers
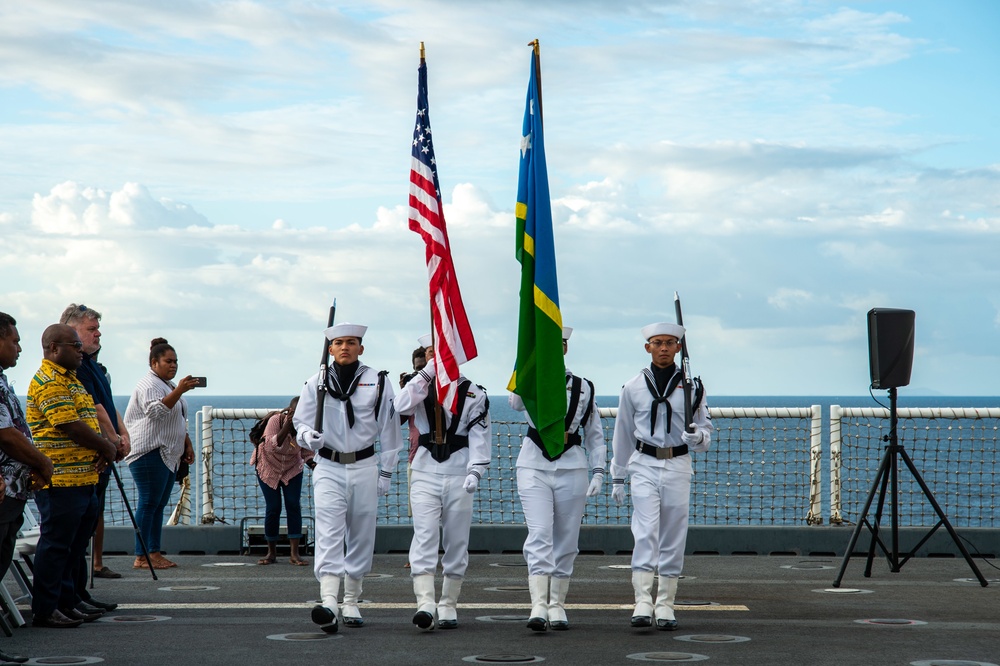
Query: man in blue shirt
{"type": "Point", "coordinates": [87, 324]}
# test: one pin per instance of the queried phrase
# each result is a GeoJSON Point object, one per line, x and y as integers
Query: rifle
{"type": "Point", "coordinates": [685, 368]}
{"type": "Point", "coordinates": [323, 363]}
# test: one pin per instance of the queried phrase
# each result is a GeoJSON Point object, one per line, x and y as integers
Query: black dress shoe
{"type": "Point", "coordinates": [100, 604]}
{"type": "Point", "coordinates": [447, 624]}
{"type": "Point", "coordinates": [90, 609]}
{"type": "Point", "coordinates": [12, 658]}
{"type": "Point", "coordinates": [326, 618]}
{"type": "Point", "coordinates": [666, 625]}
{"type": "Point", "coordinates": [74, 614]}
{"type": "Point", "coordinates": [423, 620]}
{"type": "Point", "coordinates": [537, 624]}
{"type": "Point", "coordinates": [641, 621]}
{"type": "Point", "coordinates": [55, 620]}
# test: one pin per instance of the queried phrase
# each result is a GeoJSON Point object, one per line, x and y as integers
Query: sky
{"type": "Point", "coordinates": [217, 172]}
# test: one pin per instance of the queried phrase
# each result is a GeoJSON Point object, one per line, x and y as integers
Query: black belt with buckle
{"type": "Point", "coordinates": [348, 457]}
{"type": "Point", "coordinates": [661, 452]}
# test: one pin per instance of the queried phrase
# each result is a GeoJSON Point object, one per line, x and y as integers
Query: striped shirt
{"type": "Point", "coordinates": [152, 425]}
{"type": "Point", "coordinates": [275, 464]}
{"type": "Point", "coordinates": [56, 397]}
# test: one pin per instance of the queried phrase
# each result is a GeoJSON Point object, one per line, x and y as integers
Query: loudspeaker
{"type": "Point", "coordinates": [890, 346]}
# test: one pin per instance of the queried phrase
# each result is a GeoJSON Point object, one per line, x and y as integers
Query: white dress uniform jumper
{"type": "Point", "coordinates": [553, 494]}
{"type": "Point", "coordinates": [649, 444]}
{"type": "Point", "coordinates": [357, 410]}
{"type": "Point", "coordinates": [444, 477]}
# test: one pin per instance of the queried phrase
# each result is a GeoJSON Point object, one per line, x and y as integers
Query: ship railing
{"type": "Point", "coordinates": [954, 450]}
{"type": "Point", "coordinates": [770, 466]}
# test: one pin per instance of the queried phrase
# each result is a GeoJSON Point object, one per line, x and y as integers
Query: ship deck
{"type": "Point", "coordinates": [760, 609]}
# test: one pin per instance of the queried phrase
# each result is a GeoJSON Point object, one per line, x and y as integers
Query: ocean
{"type": "Point", "coordinates": [757, 472]}
{"type": "Point", "coordinates": [500, 410]}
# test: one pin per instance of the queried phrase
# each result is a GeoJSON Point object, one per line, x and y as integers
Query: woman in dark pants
{"type": "Point", "coordinates": [156, 418]}
{"type": "Point", "coordinates": [279, 464]}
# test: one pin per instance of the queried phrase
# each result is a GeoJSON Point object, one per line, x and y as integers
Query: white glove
{"type": "Point", "coordinates": [618, 493]}
{"type": "Point", "coordinates": [383, 485]}
{"type": "Point", "coordinates": [312, 439]}
{"type": "Point", "coordinates": [471, 483]}
{"type": "Point", "coordinates": [595, 484]}
{"type": "Point", "coordinates": [693, 438]}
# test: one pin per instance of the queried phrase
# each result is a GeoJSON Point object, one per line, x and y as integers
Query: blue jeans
{"type": "Point", "coordinates": [67, 520]}
{"type": "Point", "coordinates": [293, 506]}
{"type": "Point", "coordinates": [153, 483]}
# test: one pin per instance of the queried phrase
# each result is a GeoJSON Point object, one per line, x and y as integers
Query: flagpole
{"type": "Point", "coordinates": [538, 75]}
{"type": "Point", "coordinates": [438, 412]}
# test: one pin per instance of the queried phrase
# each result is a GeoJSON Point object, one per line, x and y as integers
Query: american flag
{"type": "Point", "coordinates": [453, 341]}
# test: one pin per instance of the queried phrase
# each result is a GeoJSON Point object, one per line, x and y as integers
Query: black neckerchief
{"type": "Point", "coordinates": [343, 376]}
{"type": "Point", "coordinates": [660, 391]}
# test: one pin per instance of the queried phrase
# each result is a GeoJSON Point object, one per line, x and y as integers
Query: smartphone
{"type": "Point", "coordinates": [200, 381]}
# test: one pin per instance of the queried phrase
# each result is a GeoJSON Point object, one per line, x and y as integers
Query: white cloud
{"type": "Point", "coordinates": [762, 158]}
{"type": "Point", "coordinates": [784, 298]}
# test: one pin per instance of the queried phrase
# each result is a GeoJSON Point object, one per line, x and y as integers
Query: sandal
{"type": "Point", "coordinates": [266, 560]}
{"type": "Point", "coordinates": [140, 563]}
{"type": "Point", "coordinates": [298, 561]}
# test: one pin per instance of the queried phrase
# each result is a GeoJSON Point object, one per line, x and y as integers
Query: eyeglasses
{"type": "Point", "coordinates": [77, 344]}
{"type": "Point", "coordinates": [656, 344]}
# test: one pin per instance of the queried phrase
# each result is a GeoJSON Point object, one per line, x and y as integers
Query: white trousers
{"type": "Point", "coordinates": [439, 502]}
{"type": "Point", "coordinates": [346, 500]}
{"type": "Point", "coordinates": [553, 503]}
{"type": "Point", "coordinates": [660, 503]}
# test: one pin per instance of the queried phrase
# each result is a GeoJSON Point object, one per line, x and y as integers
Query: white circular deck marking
{"type": "Point", "coordinates": [134, 618]}
{"type": "Point", "coordinates": [842, 590]}
{"type": "Point", "coordinates": [302, 637]}
{"type": "Point", "coordinates": [951, 662]}
{"type": "Point", "coordinates": [891, 622]}
{"type": "Point", "coordinates": [504, 658]}
{"type": "Point", "coordinates": [711, 638]}
{"type": "Point", "coordinates": [667, 656]}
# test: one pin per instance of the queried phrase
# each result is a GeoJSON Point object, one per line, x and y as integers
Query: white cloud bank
{"type": "Point", "coordinates": [217, 173]}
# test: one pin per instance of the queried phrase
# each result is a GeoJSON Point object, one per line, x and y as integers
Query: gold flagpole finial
{"type": "Point", "coordinates": [421, 50]}
{"type": "Point", "coordinates": [534, 44]}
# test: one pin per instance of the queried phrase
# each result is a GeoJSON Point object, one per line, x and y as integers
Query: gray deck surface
{"type": "Point", "coordinates": [751, 610]}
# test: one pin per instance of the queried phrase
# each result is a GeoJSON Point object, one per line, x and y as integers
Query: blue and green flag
{"type": "Point", "coordinates": [540, 372]}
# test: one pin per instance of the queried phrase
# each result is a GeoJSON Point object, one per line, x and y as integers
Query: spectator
{"type": "Point", "coordinates": [63, 422]}
{"type": "Point", "coordinates": [22, 467]}
{"type": "Point", "coordinates": [279, 463]}
{"type": "Point", "coordinates": [157, 418]}
{"type": "Point", "coordinates": [87, 324]}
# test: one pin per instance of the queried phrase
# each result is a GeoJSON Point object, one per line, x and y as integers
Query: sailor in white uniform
{"type": "Point", "coordinates": [357, 409]}
{"type": "Point", "coordinates": [444, 478]}
{"type": "Point", "coordinates": [652, 445]}
{"type": "Point", "coordinates": [553, 492]}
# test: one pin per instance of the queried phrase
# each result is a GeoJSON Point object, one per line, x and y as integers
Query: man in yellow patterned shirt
{"type": "Point", "coordinates": [63, 422]}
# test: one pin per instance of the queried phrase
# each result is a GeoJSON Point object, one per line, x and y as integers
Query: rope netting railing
{"type": "Point", "coordinates": [763, 468]}
{"type": "Point", "coordinates": [953, 449]}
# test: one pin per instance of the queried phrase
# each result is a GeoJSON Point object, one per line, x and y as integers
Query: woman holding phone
{"type": "Point", "coordinates": [156, 418]}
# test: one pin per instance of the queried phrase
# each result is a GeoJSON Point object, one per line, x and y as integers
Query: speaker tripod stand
{"type": "Point", "coordinates": [887, 479]}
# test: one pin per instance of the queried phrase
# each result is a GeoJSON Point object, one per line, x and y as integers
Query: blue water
{"type": "Point", "coordinates": [733, 485]}
{"type": "Point", "coordinates": [500, 411]}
